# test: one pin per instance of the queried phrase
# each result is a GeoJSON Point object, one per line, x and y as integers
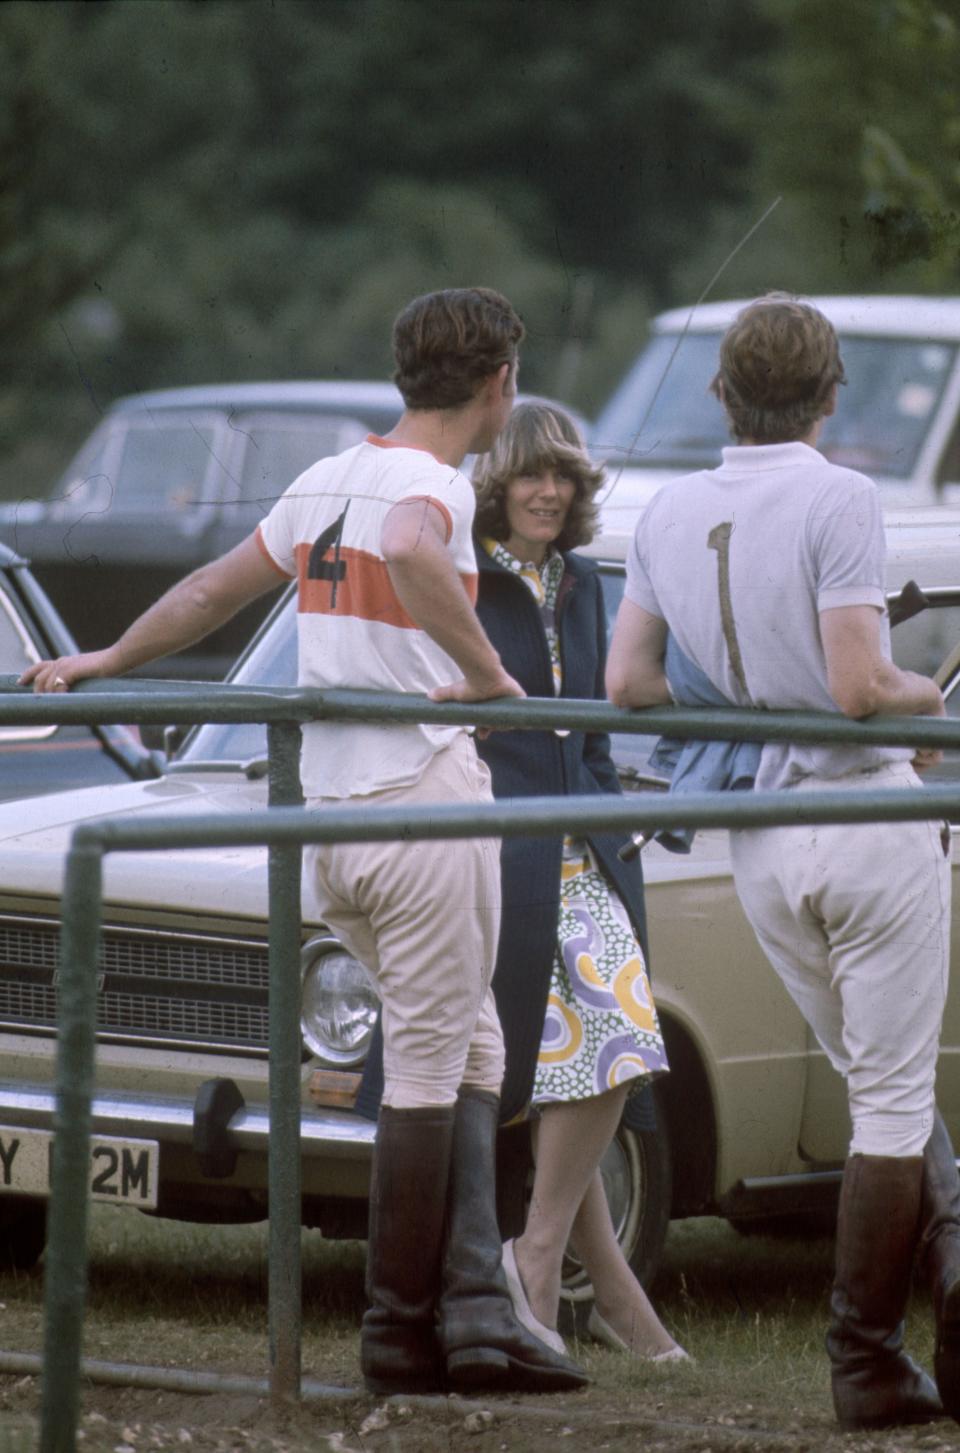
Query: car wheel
{"type": "Point", "coordinates": [23, 1232]}
{"type": "Point", "coordinates": [637, 1179]}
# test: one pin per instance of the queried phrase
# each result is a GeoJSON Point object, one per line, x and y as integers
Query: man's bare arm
{"type": "Point", "coordinates": [423, 574]}
{"type": "Point", "coordinates": [862, 682]}
{"type": "Point", "coordinates": [635, 674]}
{"type": "Point", "coordinates": [190, 610]}
{"type": "Point", "coordinates": [860, 679]}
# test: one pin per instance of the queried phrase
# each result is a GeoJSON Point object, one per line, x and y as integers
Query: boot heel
{"type": "Point", "coordinates": [946, 1361]}
{"type": "Point", "coordinates": [477, 1366]}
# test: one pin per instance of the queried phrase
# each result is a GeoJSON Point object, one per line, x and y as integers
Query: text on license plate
{"type": "Point", "coordinates": [120, 1170]}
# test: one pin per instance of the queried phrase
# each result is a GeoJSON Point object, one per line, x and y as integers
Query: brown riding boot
{"type": "Point", "coordinates": [411, 1168]}
{"type": "Point", "coordinates": [875, 1384]}
{"type": "Point", "coordinates": [485, 1345]}
{"type": "Point", "coordinates": [940, 1258]}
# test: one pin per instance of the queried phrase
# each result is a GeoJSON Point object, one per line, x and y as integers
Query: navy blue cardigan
{"type": "Point", "coordinates": [535, 764]}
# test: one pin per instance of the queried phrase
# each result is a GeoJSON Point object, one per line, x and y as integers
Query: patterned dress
{"type": "Point", "coordinates": [601, 1028]}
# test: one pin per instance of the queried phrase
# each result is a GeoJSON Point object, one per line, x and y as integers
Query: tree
{"type": "Point", "coordinates": [869, 178]}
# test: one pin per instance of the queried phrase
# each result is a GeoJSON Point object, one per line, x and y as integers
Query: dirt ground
{"type": "Point", "coordinates": [751, 1310]}
{"type": "Point", "coordinates": [658, 1416]}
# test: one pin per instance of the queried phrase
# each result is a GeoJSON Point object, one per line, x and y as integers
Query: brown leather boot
{"type": "Point", "coordinates": [940, 1258]}
{"type": "Point", "coordinates": [485, 1345]}
{"type": "Point", "coordinates": [875, 1384]}
{"type": "Point", "coordinates": [411, 1168]}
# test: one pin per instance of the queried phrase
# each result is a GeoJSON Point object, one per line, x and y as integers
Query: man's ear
{"type": "Point", "coordinates": [502, 381]}
{"type": "Point", "coordinates": [830, 403]}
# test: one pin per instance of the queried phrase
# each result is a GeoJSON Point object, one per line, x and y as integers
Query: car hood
{"type": "Point", "coordinates": [630, 489]}
{"type": "Point", "coordinates": [35, 838]}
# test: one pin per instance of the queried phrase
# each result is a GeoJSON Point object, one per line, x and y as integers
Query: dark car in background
{"type": "Point", "coordinates": [41, 759]}
{"type": "Point", "coordinates": [171, 479]}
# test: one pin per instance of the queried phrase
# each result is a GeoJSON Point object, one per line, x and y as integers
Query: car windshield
{"type": "Point", "coordinates": [271, 661]}
{"type": "Point", "coordinates": [281, 446]}
{"type": "Point", "coordinates": [143, 465]}
{"type": "Point", "coordinates": [663, 415]}
{"type": "Point", "coordinates": [919, 644]}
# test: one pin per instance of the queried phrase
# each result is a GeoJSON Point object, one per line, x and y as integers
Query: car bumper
{"type": "Point", "coordinates": [324, 1133]}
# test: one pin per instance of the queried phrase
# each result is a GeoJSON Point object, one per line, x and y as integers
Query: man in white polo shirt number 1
{"type": "Point", "coordinates": [768, 574]}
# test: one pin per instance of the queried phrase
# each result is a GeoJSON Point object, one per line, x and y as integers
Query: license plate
{"type": "Point", "coordinates": [122, 1171]}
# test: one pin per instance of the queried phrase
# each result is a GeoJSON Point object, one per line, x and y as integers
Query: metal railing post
{"type": "Point", "coordinates": [285, 1291]}
{"type": "Point", "coordinates": [66, 1259]}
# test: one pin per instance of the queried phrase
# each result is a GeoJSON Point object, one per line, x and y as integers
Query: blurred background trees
{"type": "Point", "coordinates": [202, 190]}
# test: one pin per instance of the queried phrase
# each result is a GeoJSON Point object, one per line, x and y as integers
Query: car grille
{"type": "Point", "coordinates": [188, 989]}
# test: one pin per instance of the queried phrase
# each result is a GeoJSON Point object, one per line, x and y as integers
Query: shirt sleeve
{"type": "Point", "coordinates": [455, 499]}
{"type": "Point", "coordinates": [849, 548]}
{"type": "Point", "coordinates": [639, 587]}
{"type": "Point", "coordinates": [276, 533]}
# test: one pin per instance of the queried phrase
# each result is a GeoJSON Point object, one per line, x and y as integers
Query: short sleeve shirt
{"type": "Point", "coordinates": [739, 561]}
{"type": "Point", "coordinates": [352, 630]}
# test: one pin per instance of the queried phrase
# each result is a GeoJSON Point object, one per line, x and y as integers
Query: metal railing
{"type": "Point", "coordinates": [285, 829]}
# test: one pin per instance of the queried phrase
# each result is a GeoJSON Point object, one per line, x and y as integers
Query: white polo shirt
{"type": "Point", "coordinates": [352, 630]}
{"type": "Point", "coordinates": [739, 561]}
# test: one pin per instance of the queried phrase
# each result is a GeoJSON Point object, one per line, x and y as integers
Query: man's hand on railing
{"type": "Point", "coordinates": [66, 671]}
{"type": "Point", "coordinates": [926, 757]}
{"type": "Point", "coordinates": [486, 688]}
{"type": "Point", "coordinates": [479, 689]}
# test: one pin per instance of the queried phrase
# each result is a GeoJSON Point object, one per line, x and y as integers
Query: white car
{"type": "Point", "coordinates": [752, 1118]}
{"type": "Point", "coordinates": [898, 418]}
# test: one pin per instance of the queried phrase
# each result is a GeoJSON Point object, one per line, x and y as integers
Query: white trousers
{"type": "Point", "coordinates": [855, 918]}
{"type": "Point", "coordinates": [424, 918]}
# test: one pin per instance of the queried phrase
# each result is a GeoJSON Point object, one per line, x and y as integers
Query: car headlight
{"type": "Point", "coordinates": [338, 1004]}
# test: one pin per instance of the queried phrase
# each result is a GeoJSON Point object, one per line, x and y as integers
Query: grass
{"type": "Point", "coordinates": [751, 1310]}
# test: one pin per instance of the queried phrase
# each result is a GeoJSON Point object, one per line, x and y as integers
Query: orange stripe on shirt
{"type": "Point", "coordinates": [363, 591]}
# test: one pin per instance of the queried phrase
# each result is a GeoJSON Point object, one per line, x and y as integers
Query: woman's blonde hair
{"type": "Point", "coordinates": [538, 436]}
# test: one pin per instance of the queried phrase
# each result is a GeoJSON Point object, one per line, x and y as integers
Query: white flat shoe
{"type": "Point", "coordinates": [521, 1307]}
{"type": "Point", "coordinates": [601, 1331]}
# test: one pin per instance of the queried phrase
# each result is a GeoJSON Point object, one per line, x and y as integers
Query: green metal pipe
{"type": "Point", "coordinates": [146, 702]}
{"type": "Point", "coordinates": [66, 1259]}
{"type": "Point", "coordinates": [525, 817]}
{"type": "Point", "coordinates": [174, 1379]}
{"type": "Point", "coordinates": [285, 1292]}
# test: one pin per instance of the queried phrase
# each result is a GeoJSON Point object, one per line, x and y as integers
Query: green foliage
{"type": "Point", "coordinates": [200, 191]}
{"type": "Point", "coordinates": [195, 192]}
{"type": "Point", "coordinates": [860, 138]}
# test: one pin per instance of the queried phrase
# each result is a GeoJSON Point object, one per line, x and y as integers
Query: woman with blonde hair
{"type": "Point", "coordinates": [572, 991]}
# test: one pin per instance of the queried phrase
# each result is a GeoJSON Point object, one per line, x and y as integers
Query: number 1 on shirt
{"type": "Point", "coordinates": [719, 540]}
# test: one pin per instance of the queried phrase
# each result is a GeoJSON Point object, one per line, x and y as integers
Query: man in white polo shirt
{"type": "Point", "coordinates": [378, 540]}
{"type": "Point", "coordinates": [768, 573]}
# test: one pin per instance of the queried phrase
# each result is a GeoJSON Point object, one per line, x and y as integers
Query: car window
{"type": "Point", "coordinates": [145, 465]}
{"type": "Point", "coordinates": [272, 661]}
{"type": "Point", "coordinates": [279, 448]}
{"type": "Point", "coordinates": [17, 651]}
{"type": "Point", "coordinates": [664, 416]}
{"type": "Point", "coordinates": [86, 484]}
{"type": "Point", "coordinates": [164, 466]}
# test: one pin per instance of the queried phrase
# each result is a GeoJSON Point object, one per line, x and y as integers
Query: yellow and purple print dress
{"type": "Point", "coordinates": [601, 1028]}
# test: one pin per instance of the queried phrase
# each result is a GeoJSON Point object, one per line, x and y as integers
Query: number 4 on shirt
{"type": "Point", "coordinates": [319, 568]}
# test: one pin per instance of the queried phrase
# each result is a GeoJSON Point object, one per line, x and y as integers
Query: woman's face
{"type": "Point", "coordinates": [536, 507]}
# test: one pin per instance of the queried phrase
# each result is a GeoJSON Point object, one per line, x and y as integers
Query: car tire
{"type": "Point", "coordinates": [23, 1232]}
{"type": "Point", "coordinates": [637, 1177]}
